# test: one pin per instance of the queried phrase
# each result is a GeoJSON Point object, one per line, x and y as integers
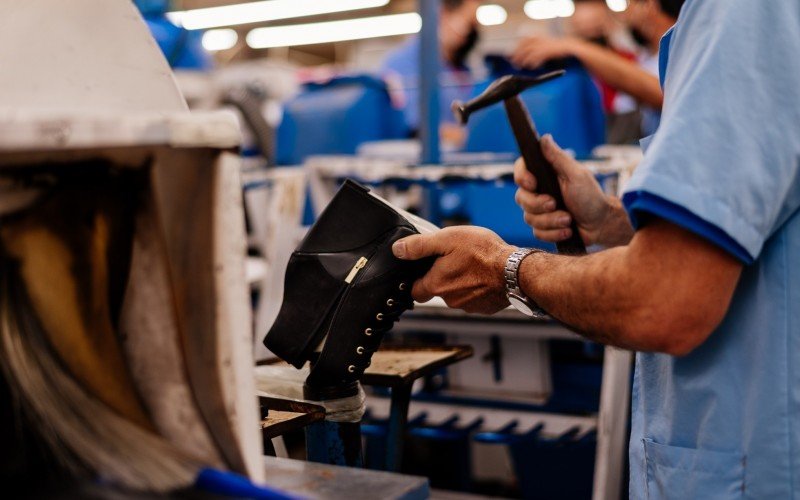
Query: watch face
{"type": "Point", "coordinates": [520, 305]}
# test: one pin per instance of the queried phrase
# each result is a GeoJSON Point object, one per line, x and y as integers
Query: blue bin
{"type": "Point", "coordinates": [335, 117]}
{"type": "Point", "coordinates": [182, 48]}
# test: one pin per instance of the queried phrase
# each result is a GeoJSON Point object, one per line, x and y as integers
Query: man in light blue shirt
{"type": "Point", "coordinates": [702, 270]}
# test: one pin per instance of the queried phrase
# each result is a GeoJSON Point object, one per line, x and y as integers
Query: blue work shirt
{"type": "Point", "coordinates": [401, 67]}
{"type": "Point", "coordinates": [724, 420]}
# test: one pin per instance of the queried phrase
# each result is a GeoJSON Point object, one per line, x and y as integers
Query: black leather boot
{"type": "Point", "coordinates": [344, 287]}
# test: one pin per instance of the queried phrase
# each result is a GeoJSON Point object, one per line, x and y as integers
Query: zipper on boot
{"type": "Point", "coordinates": [360, 263]}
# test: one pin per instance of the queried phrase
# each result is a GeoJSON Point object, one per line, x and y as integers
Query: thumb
{"type": "Point", "coordinates": [564, 164]}
{"type": "Point", "coordinates": [416, 247]}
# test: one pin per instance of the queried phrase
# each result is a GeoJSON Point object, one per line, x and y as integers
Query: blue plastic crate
{"type": "Point", "coordinates": [335, 117]}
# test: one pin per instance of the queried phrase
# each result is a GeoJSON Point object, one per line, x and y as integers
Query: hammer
{"type": "Point", "coordinates": [507, 89]}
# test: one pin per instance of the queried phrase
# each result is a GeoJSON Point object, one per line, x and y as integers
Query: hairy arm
{"type": "Point", "coordinates": [620, 73]}
{"type": "Point", "coordinates": [615, 70]}
{"type": "Point", "coordinates": [666, 291]}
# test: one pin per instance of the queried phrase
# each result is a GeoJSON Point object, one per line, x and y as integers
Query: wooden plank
{"type": "Point", "coordinates": [278, 423]}
{"type": "Point", "coordinates": [394, 366]}
{"type": "Point", "coordinates": [397, 365]}
{"type": "Point", "coordinates": [286, 415]}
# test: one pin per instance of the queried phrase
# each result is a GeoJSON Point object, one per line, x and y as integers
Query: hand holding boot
{"type": "Point", "coordinates": [468, 272]}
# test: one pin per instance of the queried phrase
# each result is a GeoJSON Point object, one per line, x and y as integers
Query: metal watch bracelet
{"type": "Point", "coordinates": [516, 297]}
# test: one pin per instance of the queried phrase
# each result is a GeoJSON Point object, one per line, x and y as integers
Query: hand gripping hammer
{"type": "Point", "coordinates": [507, 89]}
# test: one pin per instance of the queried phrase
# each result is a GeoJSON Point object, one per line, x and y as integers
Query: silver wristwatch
{"type": "Point", "coordinates": [514, 293]}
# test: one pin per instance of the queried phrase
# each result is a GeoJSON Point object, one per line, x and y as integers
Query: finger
{"type": "Point", "coordinates": [522, 177]}
{"type": "Point", "coordinates": [554, 220]}
{"type": "Point", "coordinates": [534, 203]}
{"type": "Point", "coordinates": [518, 53]}
{"type": "Point", "coordinates": [564, 164]}
{"type": "Point", "coordinates": [552, 235]}
{"type": "Point", "coordinates": [421, 291]}
{"type": "Point", "coordinates": [532, 59]}
{"type": "Point", "coordinates": [521, 51]}
{"type": "Point", "coordinates": [416, 247]}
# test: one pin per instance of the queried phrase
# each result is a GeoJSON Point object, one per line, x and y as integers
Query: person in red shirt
{"type": "Point", "coordinates": [648, 20]}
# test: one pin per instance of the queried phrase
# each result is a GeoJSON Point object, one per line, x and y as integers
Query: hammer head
{"type": "Point", "coordinates": [501, 89]}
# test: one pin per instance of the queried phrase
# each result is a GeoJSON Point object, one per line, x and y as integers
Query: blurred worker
{"type": "Point", "coordinates": [648, 21]}
{"type": "Point", "coordinates": [592, 21]}
{"type": "Point", "coordinates": [458, 34]}
{"type": "Point", "coordinates": [701, 271]}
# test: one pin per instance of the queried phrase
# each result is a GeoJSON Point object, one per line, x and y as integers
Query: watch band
{"type": "Point", "coordinates": [516, 296]}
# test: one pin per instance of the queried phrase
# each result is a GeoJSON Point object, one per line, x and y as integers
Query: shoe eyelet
{"type": "Point", "coordinates": [351, 369]}
{"type": "Point", "coordinates": [379, 316]}
{"type": "Point", "coordinates": [402, 286]}
{"type": "Point", "coordinates": [368, 332]}
{"type": "Point", "coordinates": [390, 302]}
{"type": "Point", "coordinates": [360, 350]}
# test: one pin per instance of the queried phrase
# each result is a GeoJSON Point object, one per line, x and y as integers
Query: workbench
{"type": "Point", "coordinates": [611, 422]}
{"type": "Point", "coordinates": [311, 480]}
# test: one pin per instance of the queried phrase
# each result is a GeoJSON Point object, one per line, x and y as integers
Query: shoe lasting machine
{"type": "Point", "coordinates": [124, 333]}
{"type": "Point", "coordinates": [125, 336]}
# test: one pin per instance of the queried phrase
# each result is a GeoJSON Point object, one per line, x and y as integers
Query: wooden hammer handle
{"type": "Point", "coordinates": [546, 177]}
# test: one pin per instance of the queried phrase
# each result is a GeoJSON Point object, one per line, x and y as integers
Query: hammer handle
{"type": "Point", "coordinates": [546, 177]}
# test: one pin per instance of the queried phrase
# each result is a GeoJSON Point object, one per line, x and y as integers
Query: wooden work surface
{"type": "Point", "coordinates": [280, 422]}
{"type": "Point", "coordinates": [399, 365]}
{"type": "Point", "coordinates": [312, 480]}
{"type": "Point", "coordinates": [285, 415]}
{"type": "Point", "coordinates": [393, 366]}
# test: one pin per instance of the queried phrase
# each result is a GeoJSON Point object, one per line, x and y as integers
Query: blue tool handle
{"type": "Point", "coordinates": [234, 485]}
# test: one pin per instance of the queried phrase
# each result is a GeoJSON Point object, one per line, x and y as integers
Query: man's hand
{"type": "Point", "coordinates": [468, 273]}
{"type": "Point", "coordinates": [534, 51]}
{"type": "Point", "coordinates": [600, 218]}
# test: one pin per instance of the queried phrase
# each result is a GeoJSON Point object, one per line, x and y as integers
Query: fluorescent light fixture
{"type": "Point", "coordinates": [565, 8]}
{"type": "Point", "coordinates": [617, 5]}
{"type": "Point", "coordinates": [549, 9]}
{"type": "Point", "coordinates": [334, 31]}
{"type": "Point", "coordinates": [222, 39]}
{"type": "Point", "coordinates": [492, 14]}
{"type": "Point", "coordinates": [266, 10]}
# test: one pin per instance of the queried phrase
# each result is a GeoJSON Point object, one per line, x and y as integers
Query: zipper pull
{"type": "Point", "coordinates": [359, 266]}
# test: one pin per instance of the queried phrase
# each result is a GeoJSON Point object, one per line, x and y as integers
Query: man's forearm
{"type": "Point", "coordinates": [582, 292]}
{"type": "Point", "coordinates": [666, 291]}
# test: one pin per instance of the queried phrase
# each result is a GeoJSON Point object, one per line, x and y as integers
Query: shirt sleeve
{"type": "Point", "coordinates": [724, 162]}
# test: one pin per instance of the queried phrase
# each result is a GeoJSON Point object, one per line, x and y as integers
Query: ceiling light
{"type": "Point", "coordinates": [266, 10]}
{"type": "Point", "coordinates": [617, 5]}
{"type": "Point", "coordinates": [565, 8]}
{"type": "Point", "coordinates": [222, 39]}
{"type": "Point", "coordinates": [334, 31]}
{"type": "Point", "coordinates": [549, 9]}
{"type": "Point", "coordinates": [492, 15]}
